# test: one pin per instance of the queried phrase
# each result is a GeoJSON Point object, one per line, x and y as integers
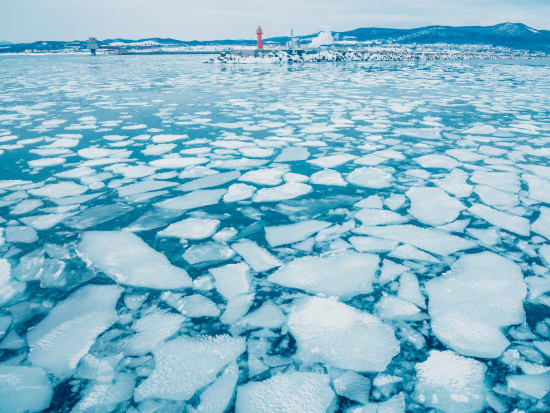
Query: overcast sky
{"type": "Point", "coordinates": [30, 20]}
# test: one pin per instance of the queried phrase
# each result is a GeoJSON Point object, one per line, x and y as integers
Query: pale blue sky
{"type": "Point", "coordinates": [30, 20]}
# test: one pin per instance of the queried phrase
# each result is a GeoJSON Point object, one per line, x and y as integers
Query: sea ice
{"type": "Point", "coordinates": [293, 392]}
{"type": "Point", "coordinates": [536, 386]}
{"type": "Point", "coordinates": [209, 181]}
{"type": "Point", "coordinates": [431, 240]}
{"type": "Point", "coordinates": [505, 181]}
{"type": "Point", "coordinates": [289, 234]}
{"type": "Point", "coordinates": [451, 383]}
{"type": "Point", "coordinates": [470, 304]}
{"type": "Point", "coordinates": [542, 224]}
{"type": "Point", "coordinates": [345, 275]}
{"type": "Point", "coordinates": [239, 192]}
{"type": "Point", "coordinates": [370, 178]}
{"type": "Point", "coordinates": [512, 223]}
{"type": "Point", "coordinates": [328, 177]}
{"type": "Point", "coordinates": [337, 334]}
{"type": "Point", "coordinates": [191, 228]}
{"type": "Point", "coordinates": [216, 398]}
{"type": "Point", "coordinates": [59, 190]}
{"type": "Point", "coordinates": [282, 192]}
{"type": "Point", "coordinates": [374, 216]}
{"type": "Point", "coordinates": [232, 280]}
{"type": "Point", "coordinates": [128, 260]}
{"type": "Point", "coordinates": [144, 186]}
{"type": "Point", "coordinates": [209, 251]}
{"type": "Point", "coordinates": [177, 162]}
{"type": "Point", "coordinates": [433, 206]}
{"type": "Point", "coordinates": [437, 161]}
{"type": "Point", "coordinates": [332, 161]}
{"type": "Point", "coordinates": [59, 341]}
{"type": "Point", "coordinates": [455, 184]}
{"type": "Point", "coordinates": [258, 258]}
{"type": "Point", "coordinates": [196, 199]}
{"type": "Point", "coordinates": [265, 177]}
{"type": "Point", "coordinates": [24, 389]}
{"type": "Point", "coordinates": [186, 364]}
{"type": "Point", "coordinates": [539, 189]}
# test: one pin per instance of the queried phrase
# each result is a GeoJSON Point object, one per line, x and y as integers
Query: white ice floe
{"type": "Point", "coordinates": [374, 216]}
{"type": "Point", "coordinates": [332, 161]}
{"type": "Point", "coordinates": [264, 177]}
{"type": "Point", "coordinates": [542, 224]}
{"type": "Point", "coordinates": [43, 162]}
{"type": "Point", "coordinates": [168, 138]}
{"type": "Point", "coordinates": [209, 181]}
{"type": "Point", "coordinates": [505, 181]}
{"type": "Point", "coordinates": [186, 364]}
{"type": "Point", "coordinates": [236, 308]}
{"type": "Point", "coordinates": [433, 206]}
{"type": "Point", "coordinates": [267, 316]}
{"type": "Point", "coordinates": [232, 280]}
{"type": "Point", "coordinates": [496, 197]}
{"type": "Point", "coordinates": [151, 329]}
{"type": "Point", "coordinates": [282, 192]}
{"type": "Point", "coordinates": [512, 223]}
{"type": "Point", "coordinates": [59, 190]}
{"type": "Point", "coordinates": [128, 260]}
{"type": "Point", "coordinates": [24, 389]}
{"type": "Point", "coordinates": [59, 341]}
{"type": "Point", "coordinates": [209, 251]}
{"type": "Point", "coordinates": [20, 233]}
{"type": "Point", "coordinates": [408, 252]}
{"type": "Point", "coordinates": [536, 386]}
{"type": "Point", "coordinates": [345, 275]}
{"type": "Point", "coordinates": [289, 234]}
{"type": "Point", "coordinates": [197, 305]}
{"type": "Point", "coordinates": [191, 229]}
{"type": "Point", "coordinates": [216, 398]}
{"type": "Point", "coordinates": [239, 192]}
{"type": "Point", "coordinates": [293, 154]}
{"type": "Point", "coordinates": [196, 199]}
{"type": "Point", "coordinates": [539, 189]}
{"type": "Point", "coordinates": [390, 271]}
{"type": "Point", "coordinates": [370, 178]}
{"type": "Point", "coordinates": [334, 333]}
{"type": "Point", "coordinates": [431, 240]}
{"type": "Point", "coordinates": [451, 383]}
{"type": "Point", "coordinates": [143, 186]}
{"type": "Point", "coordinates": [177, 162]}
{"type": "Point", "coordinates": [47, 221]}
{"type": "Point", "coordinates": [328, 177]}
{"type": "Point", "coordinates": [455, 184]}
{"type": "Point", "coordinates": [258, 258]}
{"type": "Point", "coordinates": [395, 404]}
{"type": "Point", "coordinates": [471, 304]}
{"type": "Point", "coordinates": [294, 392]}
{"type": "Point", "coordinates": [350, 385]}
{"type": "Point", "coordinates": [372, 244]}
{"type": "Point", "coordinates": [390, 307]}
{"type": "Point", "coordinates": [437, 161]}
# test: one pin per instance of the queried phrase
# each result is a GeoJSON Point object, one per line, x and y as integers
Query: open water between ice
{"type": "Point", "coordinates": [359, 237]}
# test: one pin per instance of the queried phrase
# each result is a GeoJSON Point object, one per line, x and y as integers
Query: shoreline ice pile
{"type": "Point", "coordinates": [338, 238]}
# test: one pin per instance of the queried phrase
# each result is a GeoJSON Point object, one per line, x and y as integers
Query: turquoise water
{"type": "Point", "coordinates": [427, 183]}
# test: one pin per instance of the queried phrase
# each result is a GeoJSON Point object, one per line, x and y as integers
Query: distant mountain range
{"type": "Point", "coordinates": [512, 35]}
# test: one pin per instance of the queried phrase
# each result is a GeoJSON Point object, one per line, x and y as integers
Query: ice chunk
{"type": "Point", "coordinates": [209, 181]}
{"type": "Point", "coordinates": [371, 216]}
{"type": "Point", "coordinates": [451, 383]}
{"type": "Point", "coordinates": [437, 161]}
{"type": "Point", "coordinates": [370, 178]}
{"type": "Point", "coordinates": [209, 251]}
{"type": "Point", "coordinates": [345, 275]}
{"type": "Point", "coordinates": [197, 305]}
{"type": "Point", "coordinates": [390, 271]}
{"type": "Point", "coordinates": [512, 223]}
{"type": "Point", "coordinates": [258, 258]}
{"type": "Point", "coordinates": [295, 392]}
{"type": "Point", "coordinates": [390, 307]}
{"type": "Point", "coordinates": [238, 192]}
{"type": "Point", "coordinates": [59, 190]}
{"type": "Point", "coordinates": [144, 186]}
{"type": "Point", "coordinates": [267, 316]}
{"type": "Point", "coordinates": [431, 240]}
{"type": "Point", "coordinates": [542, 224]}
{"type": "Point", "coordinates": [282, 192]}
{"type": "Point", "coordinates": [236, 308]}
{"type": "Point", "coordinates": [536, 385]}
{"type": "Point", "coordinates": [59, 341]}
{"type": "Point", "coordinates": [396, 404]}
{"type": "Point", "coordinates": [455, 183]}
{"type": "Point", "coordinates": [505, 181]}
{"type": "Point", "coordinates": [216, 398]}
{"type": "Point", "coordinates": [289, 234]}
{"type": "Point", "coordinates": [409, 289]}
{"type": "Point", "coordinates": [539, 189]}
{"type": "Point", "coordinates": [186, 364]}
{"type": "Point", "coordinates": [292, 154]}
{"type": "Point", "coordinates": [192, 200]}
{"type": "Point", "coordinates": [26, 206]}
{"type": "Point", "coordinates": [332, 161]}
{"type": "Point", "coordinates": [433, 206]}
{"type": "Point", "coordinates": [19, 233]}
{"type": "Point", "coordinates": [372, 244]}
{"type": "Point", "coordinates": [47, 221]}
{"type": "Point", "coordinates": [191, 228]}
{"type": "Point", "coordinates": [152, 329]}
{"type": "Point", "coordinates": [104, 396]}
{"type": "Point", "coordinates": [266, 176]}
{"type": "Point", "coordinates": [232, 279]}
{"type": "Point", "coordinates": [24, 389]}
{"type": "Point", "coordinates": [334, 333]}
{"type": "Point", "coordinates": [470, 304]}
{"type": "Point", "coordinates": [496, 197]}
{"type": "Point", "coordinates": [177, 162]}
{"type": "Point", "coordinates": [328, 177]}
{"type": "Point", "coordinates": [351, 385]}
{"type": "Point", "coordinates": [128, 260]}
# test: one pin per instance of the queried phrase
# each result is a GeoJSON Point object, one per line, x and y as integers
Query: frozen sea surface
{"type": "Point", "coordinates": [357, 237]}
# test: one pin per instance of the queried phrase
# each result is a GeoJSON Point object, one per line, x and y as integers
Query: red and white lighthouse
{"type": "Point", "coordinates": [259, 33]}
